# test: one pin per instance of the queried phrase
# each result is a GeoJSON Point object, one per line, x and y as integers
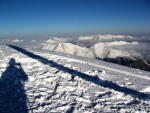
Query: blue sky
{"type": "Point", "coordinates": [60, 17]}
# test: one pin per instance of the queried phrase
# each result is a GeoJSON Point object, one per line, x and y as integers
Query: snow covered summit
{"type": "Point", "coordinates": [55, 82]}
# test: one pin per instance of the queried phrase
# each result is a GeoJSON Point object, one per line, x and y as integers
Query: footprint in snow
{"type": "Point", "coordinates": [128, 84]}
{"type": "Point", "coordinates": [96, 72]}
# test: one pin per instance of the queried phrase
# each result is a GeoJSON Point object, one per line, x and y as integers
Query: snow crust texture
{"type": "Point", "coordinates": [65, 84]}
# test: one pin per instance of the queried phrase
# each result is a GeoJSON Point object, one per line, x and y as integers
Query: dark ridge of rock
{"type": "Point", "coordinates": [133, 63]}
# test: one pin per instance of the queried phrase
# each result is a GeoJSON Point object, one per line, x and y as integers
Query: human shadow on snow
{"type": "Point", "coordinates": [95, 80]}
{"type": "Point", "coordinates": [12, 93]}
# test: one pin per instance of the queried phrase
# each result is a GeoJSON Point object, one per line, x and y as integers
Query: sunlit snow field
{"type": "Point", "coordinates": [38, 75]}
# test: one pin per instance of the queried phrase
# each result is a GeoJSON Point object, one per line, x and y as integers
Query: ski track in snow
{"type": "Point", "coordinates": [52, 90]}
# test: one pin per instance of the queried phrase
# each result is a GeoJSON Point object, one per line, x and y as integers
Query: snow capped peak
{"type": "Point", "coordinates": [56, 40]}
{"type": "Point", "coordinates": [105, 50]}
{"type": "Point", "coordinates": [99, 50]}
{"type": "Point", "coordinates": [68, 48]}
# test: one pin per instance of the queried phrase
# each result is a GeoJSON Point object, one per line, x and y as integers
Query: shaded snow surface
{"type": "Point", "coordinates": [65, 84]}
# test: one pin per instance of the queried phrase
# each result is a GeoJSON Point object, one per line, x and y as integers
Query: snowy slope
{"type": "Point", "coordinates": [61, 45]}
{"type": "Point", "coordinates": [119, 49]}
{"type": "Point", "coordinates": [105, 50]}
{"type": "Point", "coordinates": [99, 50]}
{"type": "Point", "coordinates": [66, 83]}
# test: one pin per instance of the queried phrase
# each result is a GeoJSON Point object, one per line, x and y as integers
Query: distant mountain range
{"type": "Point", "coordinates": [117, 50]}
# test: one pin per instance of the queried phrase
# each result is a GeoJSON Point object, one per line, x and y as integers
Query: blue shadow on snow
{"type": "Point", "coordinates": [95, 80]}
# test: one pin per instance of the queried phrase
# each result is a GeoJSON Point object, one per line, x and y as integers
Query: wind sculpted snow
{"type": "Point", "coordinates": [64, 83]}
{"type": "Point", "coordinates": [95, 79]}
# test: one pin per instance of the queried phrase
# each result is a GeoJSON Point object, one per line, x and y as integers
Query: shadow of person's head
{"type": "Point", "coordinates": [14, 70]}
{"type": "Point", "coordinates": [12, 62]}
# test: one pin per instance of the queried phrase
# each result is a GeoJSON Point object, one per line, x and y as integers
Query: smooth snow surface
{"type": "Point", "coordinates": [58, 83]}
